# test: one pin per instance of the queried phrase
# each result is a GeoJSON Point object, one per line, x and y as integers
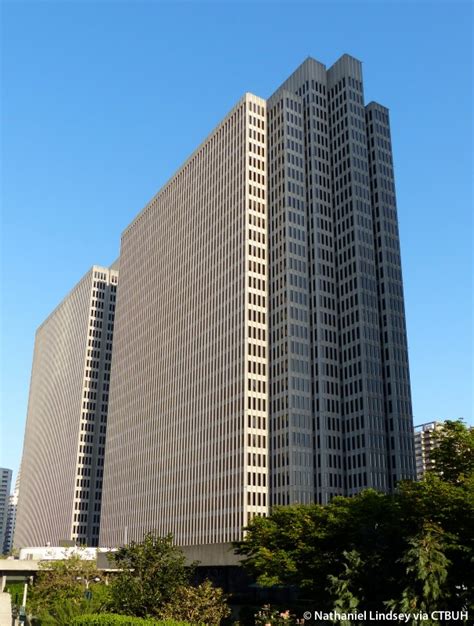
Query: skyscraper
{"type": "Point", "coordinates": [187, 446]}
{"type": "Point", "coordinates": [339, 385]}
{"type": "Point", "coordinates": [63, 453]}
{"type": "Point", "coordinates": [5, 482]}
{"type": "Point", "coordinates": [260, 354]}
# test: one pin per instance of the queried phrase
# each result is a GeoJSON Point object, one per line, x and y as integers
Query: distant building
{"type": "Point", "coordinates": [11, 517]}
{"type": "Point", "coordinates": [63, 453]}
{"type": "Point", "coordinates": [424, 445]}
{"type": "Point", "coordinates": [58, 553]}
{"type": "Point", "coordinates": [5, 483]}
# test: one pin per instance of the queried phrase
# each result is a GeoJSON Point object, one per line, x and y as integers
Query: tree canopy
{"type": "Point", "coordinates": [453, 454]}
{"type": "Point", "coordinates": [151, 572]}
{"type": "Point", "coordinates": [59, 591]}
{"type": "Point", "coordinates": [155, 581]}
{"type": "Point", "coordinates": [412, 548]}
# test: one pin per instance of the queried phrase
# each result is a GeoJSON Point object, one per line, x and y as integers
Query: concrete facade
{"type": "Point", "coordinates": [63, 453]}
{"type": "Point", "coordinates": [5, 609]}
{"type": "Point", "coordinates": [188, 431]}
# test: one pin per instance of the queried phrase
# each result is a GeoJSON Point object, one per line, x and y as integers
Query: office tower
{"type": "Point", "coordinates": [63, 453]}
{"type": "Point", "coordinates": [5, 482]}
{"type": "Point", "coordinates": [189, 376]}
{"type": "Point", "coordinates": [425, 442]}
{"type": "Point", "coordinates": [11, 517]}
{"type": "Point", "coordinates": [339, 382]}
{"type": "Point", "coordinates": [187, 437]}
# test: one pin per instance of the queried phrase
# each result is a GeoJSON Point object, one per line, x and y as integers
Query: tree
{"type": "Point", "coordinates": [341, 587]}
{"type": "Point", "coordinates": [426, 572]}
{"type": "Point", "coordinates": [450, 507]}
{"type": "Point", "coordinates": [311, 547]}
{"type": "Point", "coordinates": [204, 604]}
{"type": "Point", "coordinates": [453, 454]}
{"type": "Point", "coordinates": [58, 592]}
{"type": "Point", "coordinates": [413, 547]}
{"type": "Point", "coordinates": [151, 573]}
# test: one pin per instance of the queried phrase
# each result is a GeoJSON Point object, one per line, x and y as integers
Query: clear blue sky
{"type": "Point", "coordinates": [101, 102]}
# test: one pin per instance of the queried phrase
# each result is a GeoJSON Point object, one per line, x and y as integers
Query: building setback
{"type": "Point", "coordinates": [5, 482]}
{"type": "Point", "coordinates": [63, 453]}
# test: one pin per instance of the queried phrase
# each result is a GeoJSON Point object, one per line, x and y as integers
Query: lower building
{"type": "Point", "coordinates": [63, 453]}
{"type": "Point", "coordinates": [425, 442]}
{"type": "Point", "coordinates": [5, 482]}
{"type": "Point", "coordinates": [11, 517]}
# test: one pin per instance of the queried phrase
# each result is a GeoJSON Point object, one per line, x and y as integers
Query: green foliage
{"type": "Point", "coordinates": [204, 604]}
{"type": "Point", "coordinates": [61, 613]}
{"type": "Point", "coordinates": [110, 619]}
{"type": "Point", "coordinates": [57, 595]}
{"type": "Point", "coordinates": [426, 573]}
{"type": "Point", "coordinates": [449, 507]}
{"type": "Point", "coordinates": [340, 587]}
{"type": "Point", "coordinates": [413, 548]}
{"type": "Point", "coordinates": [152, 572]}
{"type": "Point", "coordinates": [62, 610]}
{"type": "Point", "coordinates": [16, 592]}
{"type": "Point", "coordinates": [453, 454]}
{"type": "Point", "coordinates": [304, 545]}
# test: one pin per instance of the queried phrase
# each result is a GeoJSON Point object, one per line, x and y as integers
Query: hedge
{"type": "Point", "coordinates": [110, 619]}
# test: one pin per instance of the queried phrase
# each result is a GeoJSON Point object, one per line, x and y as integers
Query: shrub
{"type": "Point", "coordinates": [205, 604]}
{"type": "Point", "coordinates": [16, 592]}
{"type": "Point", "coordinates": [110, 619]}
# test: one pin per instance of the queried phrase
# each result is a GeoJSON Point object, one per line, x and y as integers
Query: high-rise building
{"type": "Point", "coordinates": [341, 414]}
{"type": "Point", "coordinates": [260, 352]}
{"type": "Point", "coordinates": [425, 442]}
{"type": "Point", "coordinates": [187, 445]}
{"type": "Point", "coordinates": [11, 517]}
{"type": "Point", "coordinates": [63, 453]}
{"type": "Point", "coordinates": [5, 482]}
